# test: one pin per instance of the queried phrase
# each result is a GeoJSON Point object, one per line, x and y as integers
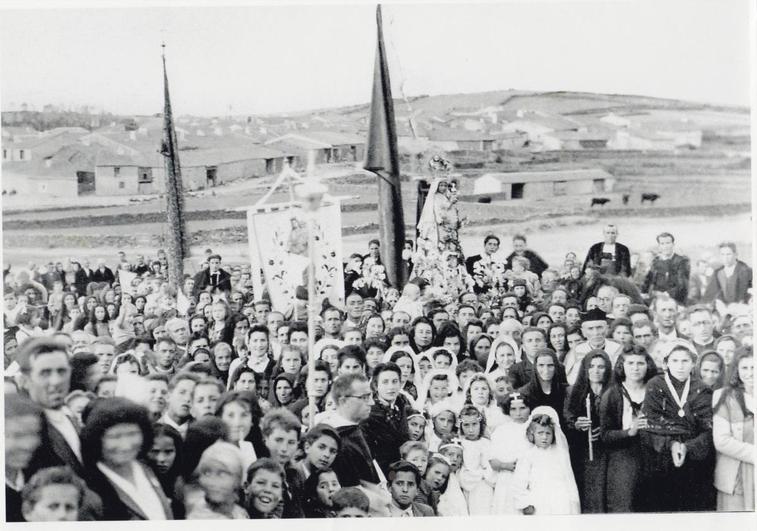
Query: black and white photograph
{"type": "Point", "coordinates": [358, 260]}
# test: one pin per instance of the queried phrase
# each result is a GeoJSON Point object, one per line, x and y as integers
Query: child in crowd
{"type": "Point", "coordinates": [443, 424]}
{"type": "Point", "coordinates": [264, 489]}
{"type": "Point", "coordinates": [220, 474]}
{"type": "Point", "coordinates": [453, 501]}
{"type": "Point", "coordinates": [178, 412]}
{"type": "Point", "coordinates": [319, 490]}
{"type": "Point", "coordinates": [508, 442]}
{"type": "Point", "coordinates": [320, 444]}
{"type": "Point", "coordinates": [237, 410]}
{"type": "Point", "coordinates": [479, 393]}
{"type": "Point", "coordinates": [435, 481]}
{"type": "Point", "coordinates": [53, 495]}
{"type": "Point", "coordinates": [544, 482]}
{"type": "Point", "coordinates": [351, 502]}
{"type": "Point", "coordinates": [281, 434]}
{"type": "Point", "coordinates": [416, 425]}
{"type": "Point", "coordinates": [476, 476]}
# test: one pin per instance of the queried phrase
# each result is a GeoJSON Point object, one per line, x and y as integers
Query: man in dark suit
{"type": "Point", "coordinates": [141, 267]}
{"type": "Point", "coordinates": [50, 276]}
{"type": "Point", "coordinates": [732, 281]}
{"type": "Point", "coordinates": [610, 257]}
{"type": "Point", "coordinates": [536, 264]}
{"type": "Point", "coordinates": [669, 272]}
{"type": "Point", "coordinates": [103, 273]}
{"type": "Point", "coordinates": [404, 479]}
{"type": "Point", "coordinates": [354, 462]}
{"type": "Point", "coordinates": [213, 276]}
{"type": "Point", "coordinates": [491, 247]}
{"type": "Point", "coordinates": [45, 374]}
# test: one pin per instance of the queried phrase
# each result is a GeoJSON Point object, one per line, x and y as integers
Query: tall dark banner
{"type": "Point", "coordinates": [177, 241]}
{"type": "Point", "coordinates": [423, 188]}
{"type": "Point", "coordinates": [383, 160]}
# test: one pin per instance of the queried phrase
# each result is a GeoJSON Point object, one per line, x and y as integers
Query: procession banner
{"type": "Point", "coordinates": [278, 243]}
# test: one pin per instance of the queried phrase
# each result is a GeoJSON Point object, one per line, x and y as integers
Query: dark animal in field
{"type": "Point", "coordinates": [626, 197]}
{"type": "Point", "coordinates": [601, 201]}
{"type": "Point", "coordinates": [485, 199]}
{"type": "Point", "coordinates": [646, 196]}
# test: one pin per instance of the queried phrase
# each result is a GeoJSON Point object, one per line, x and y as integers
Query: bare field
{"type": "Point", "coordinates": [703, 195]}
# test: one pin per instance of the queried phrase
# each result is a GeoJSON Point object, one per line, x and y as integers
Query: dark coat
{"type": "Point", "coordinates": [104, 275]}
{"type": "Point", "coordinates": [354, 462]}
{"type": "Point", "coordinates": [13, 505]}
{"type": "Point", "coordinates": [81, 279]}
{"type": "Point", "coordinates": [590, 475]}
{"type": "Point", "coordinates": [55, 451]}
{"type": "Point", "coordinates": [556, 399]}
{"type": "Point", "coordinates": [667, 488]}
{"type": "Point", "coordinates": [623, 455]}
{"type": "Point", "coordinates": [538, 265]}
{"type": "Point", "coordinates": [622, 258]}
{"type": "Point", "coordinates": [203, 280]}
{"type": "Point", "coordinates": [715, 290]}
{"type": "Point", "coordinates": [669, 275]}
{"type": "Point", "coordinates": [117, 505]}
{"type": "Point", "coordinates": [141, 269]}
{"type": "Point", "coordinates": [522, 372]}
{"type": "Point", "coordinates": [385, 430]}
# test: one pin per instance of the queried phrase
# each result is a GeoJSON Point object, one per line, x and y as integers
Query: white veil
{"type": "Point", "coordinates": [562, 445]}
{"type": "Point", "coordinates": [428, 227]}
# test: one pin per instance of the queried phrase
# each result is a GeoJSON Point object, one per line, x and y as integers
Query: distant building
{"type": "Point", "coordinates": [542, 130]}
{"type": "Point", "coordinates": [584, 139]}
{"type": "Point", "coordinates": [40, 145]}
{"type": "Point", "coordinates": [637, 139]}
{"type": "Point", "coordinates": [450, 139]}
{"type": "Point", "coordinates": [544, 184]}
{"type": "Point", "coordinates": [68, 172]}
{"type": "Point", "coordinates": [324, 147]}
{"type": "Point", "coordinates": [144, 173]}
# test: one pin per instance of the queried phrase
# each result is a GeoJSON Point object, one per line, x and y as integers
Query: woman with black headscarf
{"type": "Point", "coordinates": [589, 470]}
{"type": "Point", "coordinates": [545, 387]}
{"type": "Point", "coordinates": [677, 443]}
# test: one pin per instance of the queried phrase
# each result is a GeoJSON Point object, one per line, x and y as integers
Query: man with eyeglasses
{"type": "Point", "coordinates": [354, 465]}
{"type": "Point", "coordinates": [702, 327]}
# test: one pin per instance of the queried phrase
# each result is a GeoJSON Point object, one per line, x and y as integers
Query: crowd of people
{"type": "Point", "coordinates": [600, 386]}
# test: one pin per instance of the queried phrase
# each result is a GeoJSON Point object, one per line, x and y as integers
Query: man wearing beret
{"type": "Point", "coordinates": [594, 329]}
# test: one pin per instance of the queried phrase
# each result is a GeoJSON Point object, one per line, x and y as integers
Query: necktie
{"type": "Point", "coordinates": [77, 426]}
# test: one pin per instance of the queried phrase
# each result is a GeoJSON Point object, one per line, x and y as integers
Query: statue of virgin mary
{"type": "Point", "coordinates": [439, 221]}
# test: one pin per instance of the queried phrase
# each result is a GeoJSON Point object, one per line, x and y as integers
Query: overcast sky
{"type": "Point", "coordinates": [260, 59]}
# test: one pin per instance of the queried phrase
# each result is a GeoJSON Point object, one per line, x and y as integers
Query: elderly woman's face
{"type": "Point", "coordinates": [121, 444]}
